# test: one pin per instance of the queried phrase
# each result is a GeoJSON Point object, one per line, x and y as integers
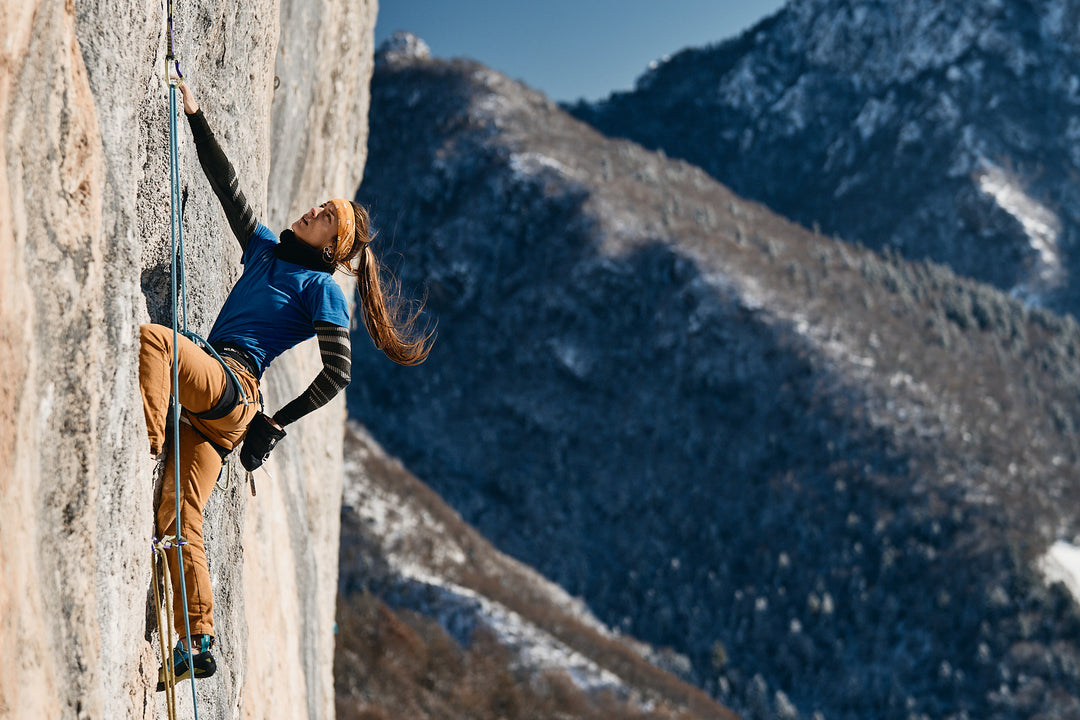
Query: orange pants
{"type": "Point", "coordinates": [202, 382]}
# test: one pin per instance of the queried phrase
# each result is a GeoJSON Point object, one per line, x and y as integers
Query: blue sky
{"type": "Point", "coordinates": [569, 49]}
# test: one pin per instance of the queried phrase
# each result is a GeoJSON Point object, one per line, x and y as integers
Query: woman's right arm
{"type": "Point", "coordinates": [219, 171]}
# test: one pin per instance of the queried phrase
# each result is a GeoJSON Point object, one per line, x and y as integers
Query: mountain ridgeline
{"type": "Point", "coordinates": [825, 475]}
{"type": "Point", "coordinates": [945, 131]}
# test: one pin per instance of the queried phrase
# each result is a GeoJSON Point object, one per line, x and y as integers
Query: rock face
{"type": "Point", "coordinates": [943, 131]}
{"type": "Point", "coordinates": [84, 250]}
{"type": "Point", "coordinates": [826, 476]}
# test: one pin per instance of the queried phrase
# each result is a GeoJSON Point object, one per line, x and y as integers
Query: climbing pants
{"type": "Point", "coordinates": [202, 381]}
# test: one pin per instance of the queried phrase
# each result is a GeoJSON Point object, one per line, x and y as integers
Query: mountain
{"type": "Point", "coordinates": [834, 479]}
{"type": "Point", "coordinates": [472, 633]}
{"type": "Point", "coordinates": [943, 131]}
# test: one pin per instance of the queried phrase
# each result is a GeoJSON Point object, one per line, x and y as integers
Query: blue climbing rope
{"type": "Point", "coordinates": [176, 232]}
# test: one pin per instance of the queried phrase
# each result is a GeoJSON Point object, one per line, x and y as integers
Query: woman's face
{"type": "Point", "coordinates": [317, 227]}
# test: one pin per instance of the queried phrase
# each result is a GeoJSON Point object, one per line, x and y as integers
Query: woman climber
{"type": "Point", "coordinates": [286, 294]}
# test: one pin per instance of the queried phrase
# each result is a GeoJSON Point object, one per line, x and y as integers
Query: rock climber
{"type": "Point", "coordinates": [285, 294]}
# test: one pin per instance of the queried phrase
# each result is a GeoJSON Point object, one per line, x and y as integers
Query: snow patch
{"type": "Point", "coordinates": [830, 344]}
{"type": "Point", "coordinates": [1052, 24]}
{"type": "Point", "coordinates": [530, 164]}
{"type": "Point", "coordinates": [402, 47]}
{"type": "Point", "coordinates": [456, 606]}
{"type": "Point", "coordinates": [1061, 563]}
{"type": "Point", "coordinates": [793, 106]}
{"type": "Point", "coordinates": [402, 529]}
{"type": "Point", "coordinates": [460, 610]}
{"type": "Point", "coordinates": [742, 89]}
{"type": "Point", "coordinates": [910, 134]}
{"type": "Point", "coordinates": [490, 107]}
{"type": "Point", "coordinates": [849, 183]}
{"type": "Point", "coordinates": [946, 113]}
{"type": "Point", "coordinates": [1040, 224]}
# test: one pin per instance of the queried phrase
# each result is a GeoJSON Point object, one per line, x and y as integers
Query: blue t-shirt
{"type": "Point", "coordinates": [275, 303]}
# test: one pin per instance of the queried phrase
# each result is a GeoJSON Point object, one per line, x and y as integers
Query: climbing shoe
{"type": "Point", "coordinates": [202, 663]}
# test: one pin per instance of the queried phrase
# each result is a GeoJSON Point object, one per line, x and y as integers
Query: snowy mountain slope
{"type": "Point", "coordinates": [401, 542]}
{"type": "Point", "coordinates": [943, 130]}
{"type": "Point", "coordinates": [826, 476]}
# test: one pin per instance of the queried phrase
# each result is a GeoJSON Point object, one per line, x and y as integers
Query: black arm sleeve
{"type": "Point", "coordinates": [219, 171]}
{"type": "Point", "coordinates": [336, 353]}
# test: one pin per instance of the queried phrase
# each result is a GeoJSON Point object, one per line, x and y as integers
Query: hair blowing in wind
{"type": "Point", "coordinates": [392, 321]}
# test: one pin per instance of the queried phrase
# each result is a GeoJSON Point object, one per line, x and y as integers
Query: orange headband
{"type": "Point", "coordinates": [346, 226]}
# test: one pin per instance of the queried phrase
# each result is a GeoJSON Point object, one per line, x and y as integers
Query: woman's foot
{"type": "Point", "coordinates": [202, 663]}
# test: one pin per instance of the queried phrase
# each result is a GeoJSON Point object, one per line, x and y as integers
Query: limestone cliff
{"type": "Point", "coordinates": [84, 238]}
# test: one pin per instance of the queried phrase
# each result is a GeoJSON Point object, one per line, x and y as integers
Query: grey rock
{"type": "Point", "coordinates": [84, 238]}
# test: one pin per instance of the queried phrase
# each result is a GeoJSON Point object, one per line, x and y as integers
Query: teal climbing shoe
{"type": "Point", "coordinates": [202, 663]}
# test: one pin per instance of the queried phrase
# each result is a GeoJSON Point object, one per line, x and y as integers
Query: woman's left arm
{"type": "Point", "coordinates": [336, 351]}
{"type": "Point", "coordinates": [219, 171]}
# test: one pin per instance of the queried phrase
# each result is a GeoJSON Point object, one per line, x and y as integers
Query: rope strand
{"type": "Point", "coordinates": [163, 579]}
{"type": "Point", "coordinates": [176, 232]}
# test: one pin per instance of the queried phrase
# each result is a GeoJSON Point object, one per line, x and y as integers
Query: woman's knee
{"type": "Point", "coordinates": [152, 335]}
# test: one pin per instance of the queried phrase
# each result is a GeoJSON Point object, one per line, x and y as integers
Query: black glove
{"type": "Point", "coordinates": [261, 438]}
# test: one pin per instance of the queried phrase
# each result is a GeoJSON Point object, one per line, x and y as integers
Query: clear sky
{"type": "Point", "coordinates": [569, 49]}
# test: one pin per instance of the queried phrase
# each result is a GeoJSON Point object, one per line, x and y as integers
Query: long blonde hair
{"type": "Point", "coordinates": [392, 321]}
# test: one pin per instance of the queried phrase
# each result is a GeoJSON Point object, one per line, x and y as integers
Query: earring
{"type": "Point", "coordinates": [328, 254]}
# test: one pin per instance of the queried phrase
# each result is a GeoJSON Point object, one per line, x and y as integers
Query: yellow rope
{"type": "Point", "coordinates": [164, 622]}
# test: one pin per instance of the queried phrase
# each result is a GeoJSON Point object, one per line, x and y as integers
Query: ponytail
{"type": "Point", "coordinates": [391, 320]}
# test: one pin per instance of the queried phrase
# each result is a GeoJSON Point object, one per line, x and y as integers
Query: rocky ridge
{"type": "Point", "coordinates": [727, 434]}
{"type": "Point", "coordinates": [402, 543]}
{"type": "Point", "coordinates": [941, 131]}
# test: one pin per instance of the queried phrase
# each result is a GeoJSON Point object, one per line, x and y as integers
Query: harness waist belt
{"type": "Point", "coordinates": [239, 354]}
